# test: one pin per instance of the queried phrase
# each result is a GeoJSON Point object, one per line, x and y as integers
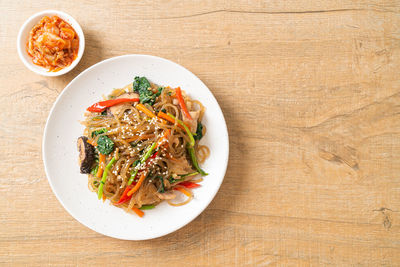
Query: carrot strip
{"type": "Point", "coordinates": [92, 142]}
{"type": "Point", "coordinates": [163, 138]}
{"type": "Point", "coordinates": [138, 211]}
{"type": "Point", "coordinates": [182, 102]}
{"type": "Point", "coordinates": [164, 116]}
{"type": "Point", "coordinates": [102, 162]}
{"type": "Point", "coordinates": [182, 190]}
{"type": "Point", "coordinates": [145, 110]}
{"type": "Point", "coordinates": [137, 186]}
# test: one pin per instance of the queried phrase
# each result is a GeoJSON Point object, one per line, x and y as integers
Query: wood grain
{"type": "Point", "coordinates": [311, 94]}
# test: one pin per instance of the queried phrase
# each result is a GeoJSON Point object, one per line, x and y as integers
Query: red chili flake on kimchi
{"type": "Point", "coordinates": [53, 44]}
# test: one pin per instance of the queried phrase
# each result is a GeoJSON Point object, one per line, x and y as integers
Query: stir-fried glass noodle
{"type": "Point", "coordinates": [141, 146]}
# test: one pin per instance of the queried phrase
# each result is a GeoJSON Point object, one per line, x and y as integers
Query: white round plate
{"type": "Point", "coordinates": [60, 154]}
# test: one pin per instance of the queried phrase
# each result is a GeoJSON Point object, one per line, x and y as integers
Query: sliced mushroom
{"type": "Point", "coordinates": [118, 109]}
{"type": "Point", "coordinates": [86, 154]}
{"type": "Point", "coordinates": [192, 123]}
{"type": "Point", "coordinates": [182, 166]}
{"type": "Point", "coordinates": [166, 195]}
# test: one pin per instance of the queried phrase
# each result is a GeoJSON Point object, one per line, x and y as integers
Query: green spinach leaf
{"type": "Point", "coordinates": [96, 133]}
{"type": "Point", "coordinates": [141, 86]}
{"type": "Point", "coordinates": [105, 145]}
{"type": "Point", "coordinates": [199, 131]}
{"type": "Point", "coordinates": [159, 91]}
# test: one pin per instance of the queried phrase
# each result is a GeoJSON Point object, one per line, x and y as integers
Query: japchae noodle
{"type": "Point", "coordinates": [141, 146]}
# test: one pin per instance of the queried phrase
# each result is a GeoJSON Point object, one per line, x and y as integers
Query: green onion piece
{"type": "Point", "coordinates": [188, 174]}
{"type": "Point", "coordinates": [185, 127]}
{"type": "Point", "coordinates": [147, 207]}
{"type": "Point", "coordinates": [133, 175]}
{"type": "Point", "coordinates": [194, 161]}
{"type": "Point", "coordinates": [103, 179]}
{"type": "Point", "coordinates": [94, 170]}
{"type": "Point", "coordinates": [148, 153]}
{"type": "Point", "coordinates": [142, 160]}
{"type": "Point", "coordinates": [134, 172]}
{"type": "Point", "coordinates": [162, 184]}
{"type": "Point", "coordinates": [172, 180]}
{"type": "Point", "coordinates": [101, 131]}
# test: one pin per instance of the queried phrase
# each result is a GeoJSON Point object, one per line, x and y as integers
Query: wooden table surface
{"type": "Point", "coordinates": [311, 94]}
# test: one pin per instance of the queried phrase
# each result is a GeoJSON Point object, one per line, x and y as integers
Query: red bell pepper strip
{"type": "Point", "coordinates": [154, 155]}
{"type": "Point", "coordinates": [135, 171]}
{"type": "Point", "coordinates": [124, 198]}
{"type": "Point", "coordinates": [182, 102]}
{"type": "Point", "coordinates": [102, 105]}
{"type": "Point", "coordinates": [188, 184]}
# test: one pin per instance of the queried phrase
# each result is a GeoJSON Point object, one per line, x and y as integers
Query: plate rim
{"type": "Point", "coordinates": [45, 133]}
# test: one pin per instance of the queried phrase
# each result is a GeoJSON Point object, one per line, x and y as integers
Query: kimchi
{"type": "Point", "coordinates": [53, 44]}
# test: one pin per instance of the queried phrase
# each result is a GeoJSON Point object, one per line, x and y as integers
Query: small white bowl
{"type": "Point", "coordinates": [23, 37]}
